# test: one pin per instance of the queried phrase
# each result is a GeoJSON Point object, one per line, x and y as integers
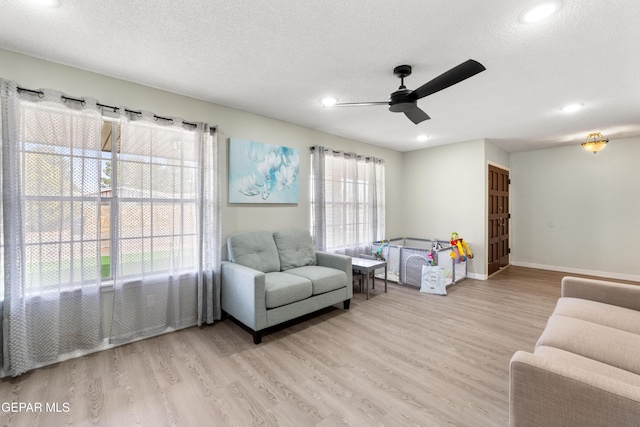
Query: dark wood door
{"type": "Point", "coordinates": [498, 253]}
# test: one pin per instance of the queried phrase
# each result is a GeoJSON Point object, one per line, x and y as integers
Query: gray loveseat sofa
{"type": "Point", "coordinates": [585, 369]}
{"type": "Point", "coordinates": [271, 278]}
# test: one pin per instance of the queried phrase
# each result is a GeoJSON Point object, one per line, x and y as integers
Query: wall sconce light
{"type": "Point", "coordinates": [595, 142]}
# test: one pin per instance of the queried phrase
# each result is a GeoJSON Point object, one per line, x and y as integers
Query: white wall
{"type": "Point", "coordinates": [578, 212]}
{"type": "Point", "coordinates": [496, 156]}
{"type": "Point", "coordinates": [444, 191]}
{"type": "Point", "coordinates": [34, 73]}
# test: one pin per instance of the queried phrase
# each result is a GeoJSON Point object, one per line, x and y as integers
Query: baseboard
{"type": "Point", "coordinates": [477, 276]}
{"type": "Point", "coordinates": [603, 274]}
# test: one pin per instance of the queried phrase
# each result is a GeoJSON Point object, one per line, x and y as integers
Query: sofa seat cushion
{"type": "Point", "coordinates": [593, 341]}
{"type": "Point", "coordinates": [295, 248]}
{"type": "Point", "coordinates": [254, 249]}
{"type": "Point", "coordinates": [324, 279]}
{"type": "Point", "coordinates": [282, 289]}
{"type": "Point", "coordinates": [616, 317]}
{"type": "Point", "coordinates": [588, 365]}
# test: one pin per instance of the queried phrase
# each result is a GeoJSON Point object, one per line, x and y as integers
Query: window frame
{"type": "Point", "coordinates": [112, 203]}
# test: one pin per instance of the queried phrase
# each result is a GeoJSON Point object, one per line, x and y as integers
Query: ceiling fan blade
{"type": "Point", "coordinates": [416, 115]}
{"type": "Point", "coordinates": [455, 75]}
{"type": "Point", "coordinates": [359, 104]}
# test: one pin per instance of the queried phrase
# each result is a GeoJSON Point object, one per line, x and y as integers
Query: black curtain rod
{"type": "Point", "coordinates": [359, 156]}
{"type": "Point", "coordinates": [115, 109]}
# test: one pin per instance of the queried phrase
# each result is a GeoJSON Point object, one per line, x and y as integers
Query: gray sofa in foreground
{"type": "Point", "coordinates": [585, 369]}
{"type": "Point", "coordinates": [271, 278]}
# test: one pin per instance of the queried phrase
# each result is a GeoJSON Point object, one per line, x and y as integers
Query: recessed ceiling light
{"type": "Point", "coordinates": [422, 138]}
{"type": "Point", "coordinates": [540, 12]}
{"type": "Point", "coordinates": [46, 3]}
{"type": "Point", "coordinates": [328, 101]}
{"type": "Point", "coordinates": [571, 108]}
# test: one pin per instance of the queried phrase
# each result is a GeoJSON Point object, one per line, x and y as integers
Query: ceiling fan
{"type": "Point", "coordinates": [406, 100]}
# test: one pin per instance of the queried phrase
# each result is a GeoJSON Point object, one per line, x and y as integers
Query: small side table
{"type": "Point", "coordinates": [366, 266]}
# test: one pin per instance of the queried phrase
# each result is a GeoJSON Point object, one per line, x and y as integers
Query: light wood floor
{"type": "Point", "coordinates": [401, 358]}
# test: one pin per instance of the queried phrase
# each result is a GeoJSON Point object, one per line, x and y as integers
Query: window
{"type": "Point", "coordinates": [110, 141]}
{"type": "Point", "coordinates": [347, 201]}
{"type": "Point", "coordinates": [156, 193]}
{"type": "Point", "coordinates": [88, 200]}
{"type": "Point", "coordinates": [153, 194]}
{"type": "Point", "coordinates": [59, 162]}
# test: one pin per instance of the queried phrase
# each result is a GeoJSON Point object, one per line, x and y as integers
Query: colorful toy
{"type": "Point", "coordinates": [459, 249]}
{"type": "Point", "coordinates": [431, 257]}
{"type": "Point", "coordinates": [455, 254]}
{"type": "Point", "coordinates": [466, 248]}
{"type": "Point", "coordinates": [378, 254]}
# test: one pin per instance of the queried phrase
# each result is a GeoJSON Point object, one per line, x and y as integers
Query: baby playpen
{"type": "Point", "coordinates": [406, 255]}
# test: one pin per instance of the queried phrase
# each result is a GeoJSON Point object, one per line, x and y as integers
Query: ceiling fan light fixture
{"type": "Point", "coordinates": [45, 3]}
{"type": "Point", "coordinates": [571, 108]}
{"type": "Point", "coordinates": [329, 101]}
{"type": "Point", "coordinates": [540, 12]}
{"type": "Point", "coordinates": [595, 142]}
{"type": "Point", "coordinates": [422, 138]}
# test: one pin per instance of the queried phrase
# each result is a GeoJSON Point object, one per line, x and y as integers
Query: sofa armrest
{"type": "Point", "coordinates": [242, 294]}
{"type": "Point", "coordinates": [613, 293]}
{"type": "Point", "coordinates": [339, 262]}
{"type": "Point", "coordinates": [544, 392]}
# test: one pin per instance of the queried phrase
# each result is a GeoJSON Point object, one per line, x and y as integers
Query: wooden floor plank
{"type": "Point", "coordinates": [400, 358]}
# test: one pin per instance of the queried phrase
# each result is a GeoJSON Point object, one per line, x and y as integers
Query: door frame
{"type": "Point", "coordinates": [486, 215]}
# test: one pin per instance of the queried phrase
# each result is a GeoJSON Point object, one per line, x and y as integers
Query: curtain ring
{"type": "Point", "coordinates": [68, 98]}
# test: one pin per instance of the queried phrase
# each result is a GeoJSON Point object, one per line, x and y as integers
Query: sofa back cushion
{"type": "Point", "coordinates": [254, 249]}
{"type": "Point", "coordinates": [295, 248]}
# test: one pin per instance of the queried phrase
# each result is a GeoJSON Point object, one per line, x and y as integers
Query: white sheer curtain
{"type": "Point", "coordinates": [2, 367]}
{"type": "Point", "coordinates": [210, 233]}
{"type": "Point", "coordinates": [51, 170]}
{"type": "Point", "coordinates": [154, 233]}
{"type": "Point", "coordinates": [347, 201]}
{"type": "Point", "coordinates": [167, 227]}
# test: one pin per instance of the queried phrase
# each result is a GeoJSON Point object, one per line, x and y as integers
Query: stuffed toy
{"type": "Point", "coordinates": [460, 250]}
{"type": "Point", "coordinates": [431, 259]}
{"type": "Point", "coordinates": [466, 248]}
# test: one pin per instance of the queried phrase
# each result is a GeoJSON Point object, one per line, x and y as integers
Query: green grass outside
{"type": "Point", "coordinates": [129, 265]}
{"type": "Point", "coordinates": [105, 266]}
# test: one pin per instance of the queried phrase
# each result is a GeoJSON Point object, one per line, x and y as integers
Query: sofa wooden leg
{"type": "Point", "coordinates": [346, 303]}
{"type": "Point", "coordinates": [257, 337]}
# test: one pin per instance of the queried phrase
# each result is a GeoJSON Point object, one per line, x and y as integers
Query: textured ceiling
{"type": "Point", "coordinates": [278, 58]}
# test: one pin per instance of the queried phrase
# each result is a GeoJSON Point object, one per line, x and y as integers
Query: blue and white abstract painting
{"type": "Point", "coordinates": [262, 173]}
